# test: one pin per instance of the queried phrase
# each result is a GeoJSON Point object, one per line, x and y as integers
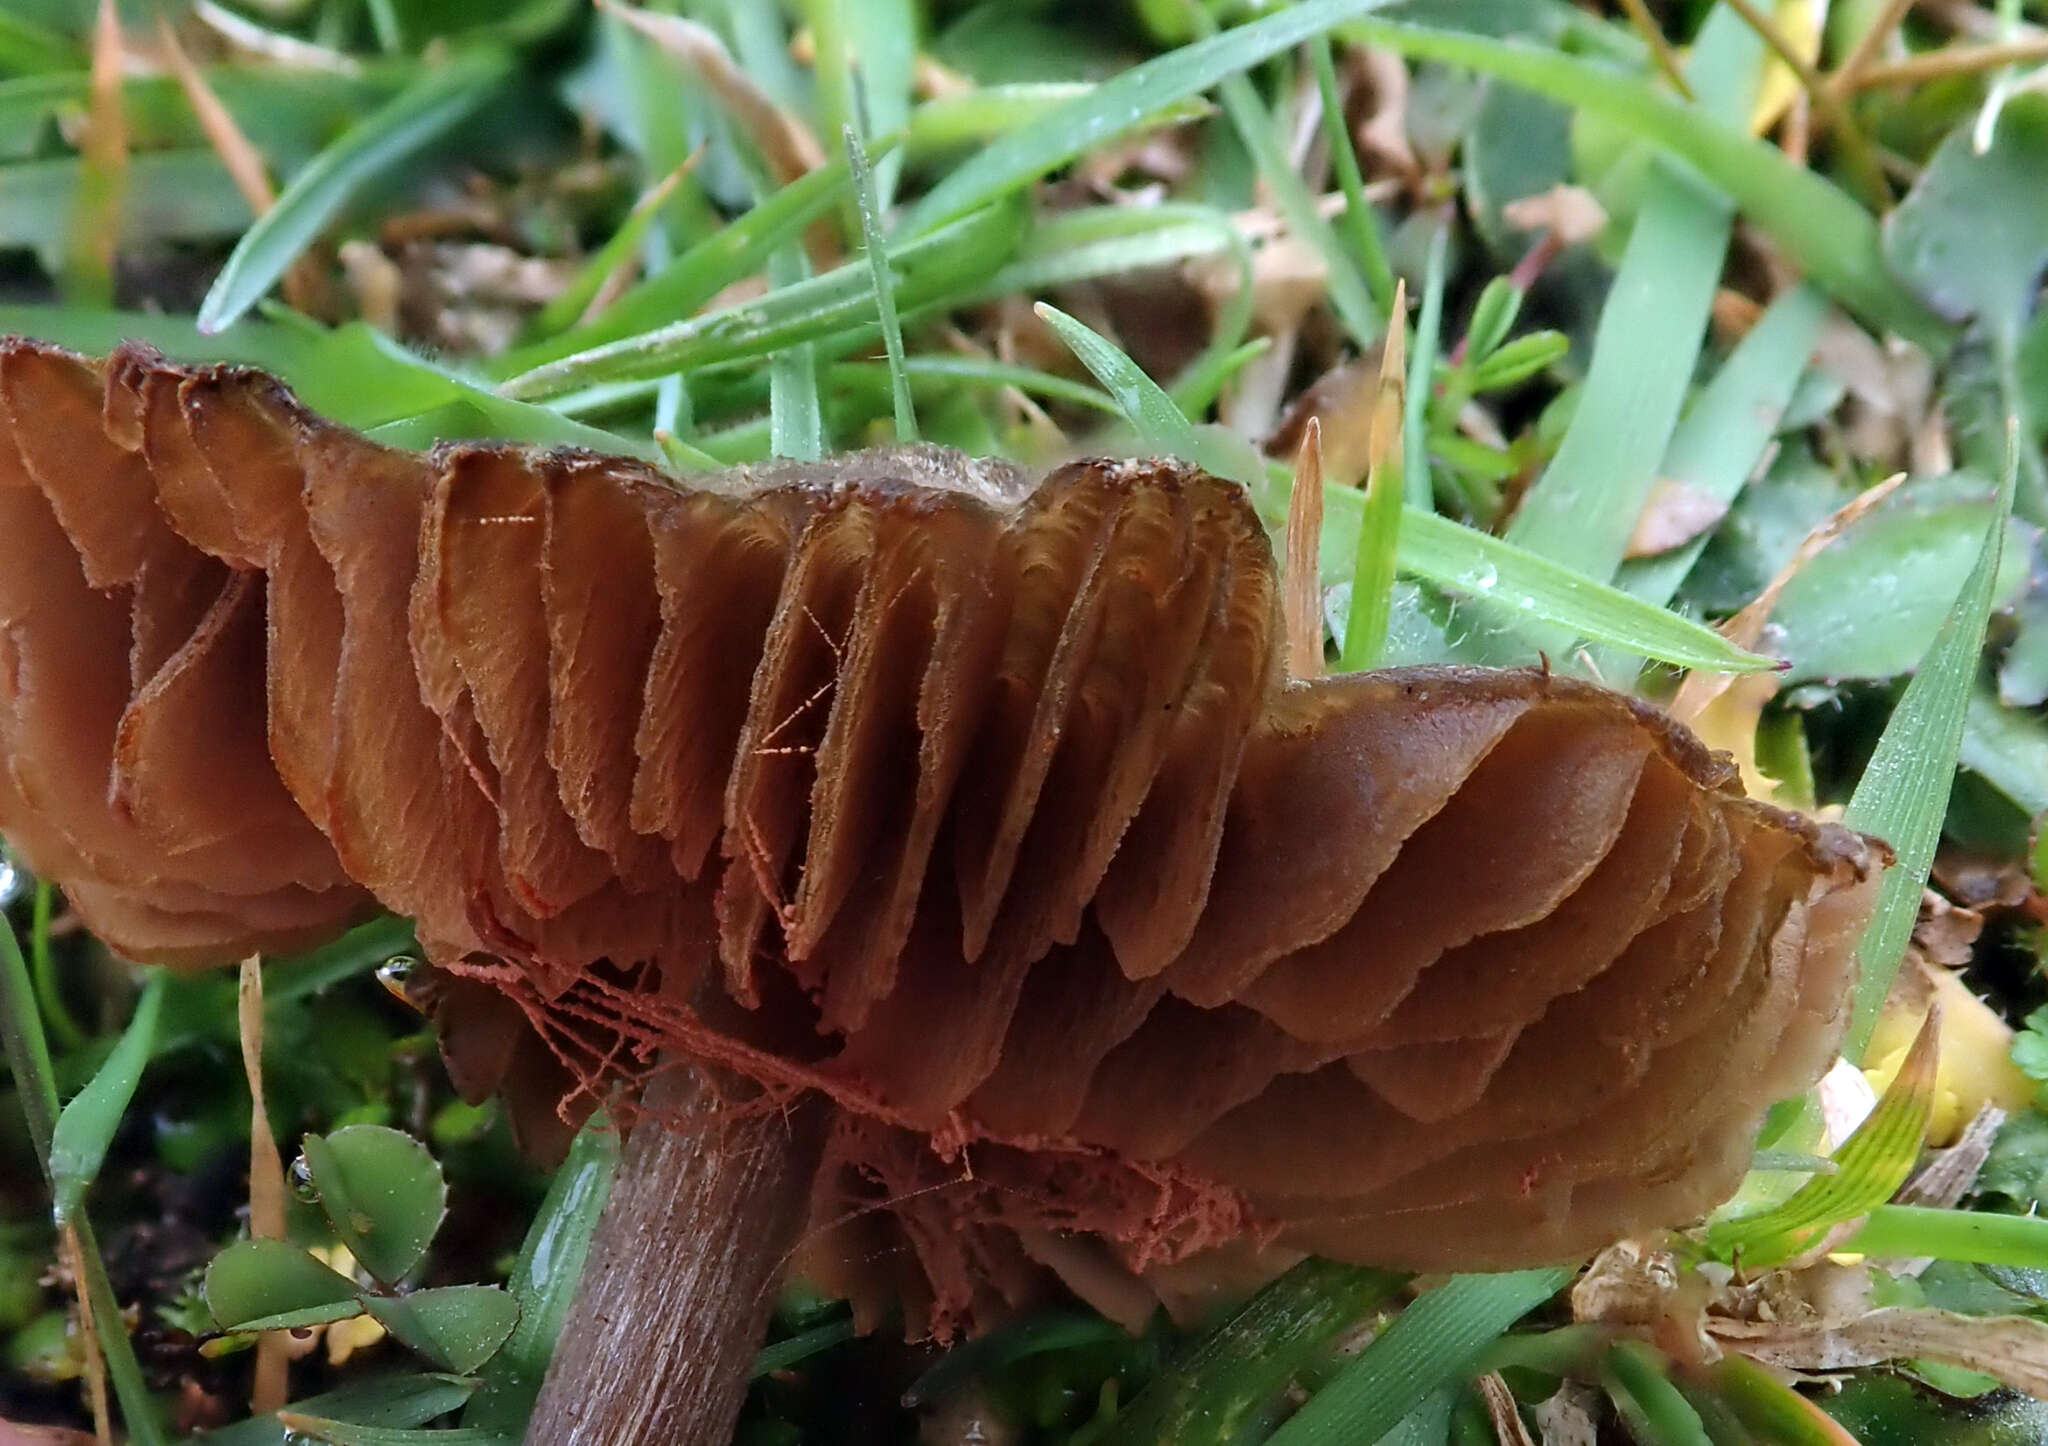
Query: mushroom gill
{"type": "Point", "coordinates": [981, 808]}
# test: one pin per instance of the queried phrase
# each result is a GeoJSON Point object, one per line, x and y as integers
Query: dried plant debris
{"type": "Point", "coordinates": [982, 806]}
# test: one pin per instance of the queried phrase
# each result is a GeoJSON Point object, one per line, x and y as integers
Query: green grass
{"type": "Point", "coordinates": [1048, 230]}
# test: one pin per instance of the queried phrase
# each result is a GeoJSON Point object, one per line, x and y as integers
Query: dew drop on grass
{"type": "Point", "coordinates": [302, 1181]}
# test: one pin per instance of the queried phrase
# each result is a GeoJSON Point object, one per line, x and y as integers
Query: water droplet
{"type": "Point", "coordinates": [396, 973]}
{"type": "Point", "coordinates": [302, 1181]}
{"type": "Point", "coordinates": [1486, 578]}
{"type": "Point", "coordinates": [15, 882]}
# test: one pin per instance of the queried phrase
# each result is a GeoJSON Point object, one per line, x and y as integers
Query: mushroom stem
{"type": "Point", "coordinates": [682, 1270]}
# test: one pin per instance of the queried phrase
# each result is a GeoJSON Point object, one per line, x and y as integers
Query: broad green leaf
{"type": "Point", "coordinates": [1870, 604]}
{"type": "Point", "coordinates": [267, 1285]}
{"type": "Point", "coordinates": [1886, 1410]}
{"type": "Point", "coordinates": [1904, 791]}
{"type": "Point", "coordinates": [384, 139]}
{"type": "Point", "coordinates": [382, 1192]}
{"type": "Point", "coordinates": [545, 1276]}
{"type": "Point", "coordinates": [1430, 1344]}
{"type": "Point", "coordinates": [1206, 1397]}
{"type": "Point", "coordinates": [1960, 239]}
{"type": "Point", "coordinates": [393, 1400]}
{"type": "Point", "coordinates": [458, 1327]}
{"type": "Point", "coordinates": [2007, 748]}
{"type": "Point", "coordinates": [86, 1125]}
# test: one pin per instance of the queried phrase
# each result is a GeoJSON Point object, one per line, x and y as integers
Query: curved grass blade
{"type": "Point", "coordinates": [399, 128]}
{"type": "Point", "coordinates": [1430, 1344]}
{"type": "Point", "coordinates": [1820, 228]}
{"type": "Point", "coordinates": [1121, 105]}
{"type": "Point", "coordinates": [28, 1060]}
{"type": "Point", "coordinates": [940, 265]}
{"type": "Point", "coordinates": [1359, 225]}
{"type": "Point", "coordinates": [390, 1400]}
{"type": "Point", "coordinates": [1903, 794]}
{"type": "Point", "coordinates": [1634, 1375]}
{"type": "Point", "coordinates": [1430, 547]}
{"type": "Point", "coordinates": [544, 1279]}
{"type": "Point", "coordinates": [86, 1125]}
{"type": "Point", "coordinates": [1869, 1168]}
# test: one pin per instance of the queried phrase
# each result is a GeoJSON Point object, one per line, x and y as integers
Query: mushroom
{"type": "Point", "coordinates": [943, 860]}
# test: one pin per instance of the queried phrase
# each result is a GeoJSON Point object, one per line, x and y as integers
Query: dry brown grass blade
{"type": "Point", "coordinates": [272, 1387]}
{"type": "Point", "coordinates": [88, 1336]}
{"type": "Point", "coordinates": [1502, 1411]}
{"type": "Point", "coordinates": [1858, 154]}
{"type": "Point", "coordinates": [1848, 75]}
{"type": "Point", "coordinates": [1304, 594]}
{"type": "Point", "coordinates": [243, 162]}
{"type": "Point", "coordinates": [1746, 628]}
{"type": "Point", "coordinates": [1660, 45]}
{"type": "Point", "coordinates": [1955, 60]}
{"type": "Point", "coordinates": [785, 142]}
{"type": "Point", "coordinates": [95, 219]}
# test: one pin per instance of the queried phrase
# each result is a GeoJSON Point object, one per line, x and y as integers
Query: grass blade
{"type": "Point", "coordinates": [1122, 105]}
{"type": "Point", "coordinates": [544, 1279]}
{"type": "Point", "coordinates": [1820, 228]}
{"type": "Point", "coordinates": [1144, 403]}
{"type": "Point", "coordinates": [1581, 510]}
{"type": "Point", "coordinates": [1634, 1375]}
{"type": "Point", "coordinates": [1422, 375]}
{"type": "Point", "coordinates": [86, 1125]}
{"type": "Point", "coordinates": [1870, 1167]}
{"type": "Point", "coordinates": [1431, 547]}
{"type": "Point", "coordinates": [28, 1060]}
{"type": "Point", "coordinates": [884, 283]}
{"type": "Point", "coordinates": [1723, 438]}
{"type": "Point", "coordinates": [389, 1400]}
{"type": "Point", "coordinates": [1379, 528]}
{"type": "Point", "coordinates": [1359, 224]}
{"type": "Point", "coordinates": [1204, 1398]}
{"type": "Point", "coordinates": [796, 416]}
{"type": "Point", "coordinates": [934, 267]}
{"type": "Point", "coordinates": [1430, 1344]}
{"type": "Point", "coordinates": [1903, 794]}
{"type": "Point", "coordinates": [414, 118]}
{"type": "Point", "coordinates": [1912, 1232]}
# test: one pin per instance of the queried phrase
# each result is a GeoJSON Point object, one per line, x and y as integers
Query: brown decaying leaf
{"type": "Point", "coordinates": [1674, 515]}
{"type": "Point", "coordinates": [2012, 1348]}
{"type": "Point", "coordinates": [982, 807]}
{"type": "Point", "coordinates": [1508, 1429]}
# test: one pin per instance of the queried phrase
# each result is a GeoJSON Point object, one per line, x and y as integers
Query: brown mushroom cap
{"type": "Point", "coordinates": [983, 807]}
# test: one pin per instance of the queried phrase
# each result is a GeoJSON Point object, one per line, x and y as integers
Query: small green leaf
{"type": "Point", "coordinates": [383, 1193]}
{"type": "Point", "coordinates": [456, 1326]}
{"type": "Point", "coordinates": [1520, 359]}
{"type": "Point", "coordinates": [86, 1125]}
{"type": "Point", "coordinates": [1493, 317]}
{"type": "Point", "coordinates": [385, 138]}
{"type": "Point", "coordinates": [263, 1285]}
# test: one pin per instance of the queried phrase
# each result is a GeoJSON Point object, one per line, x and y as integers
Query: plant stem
{"type": "Point", "coordinates": [660, 1342]}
